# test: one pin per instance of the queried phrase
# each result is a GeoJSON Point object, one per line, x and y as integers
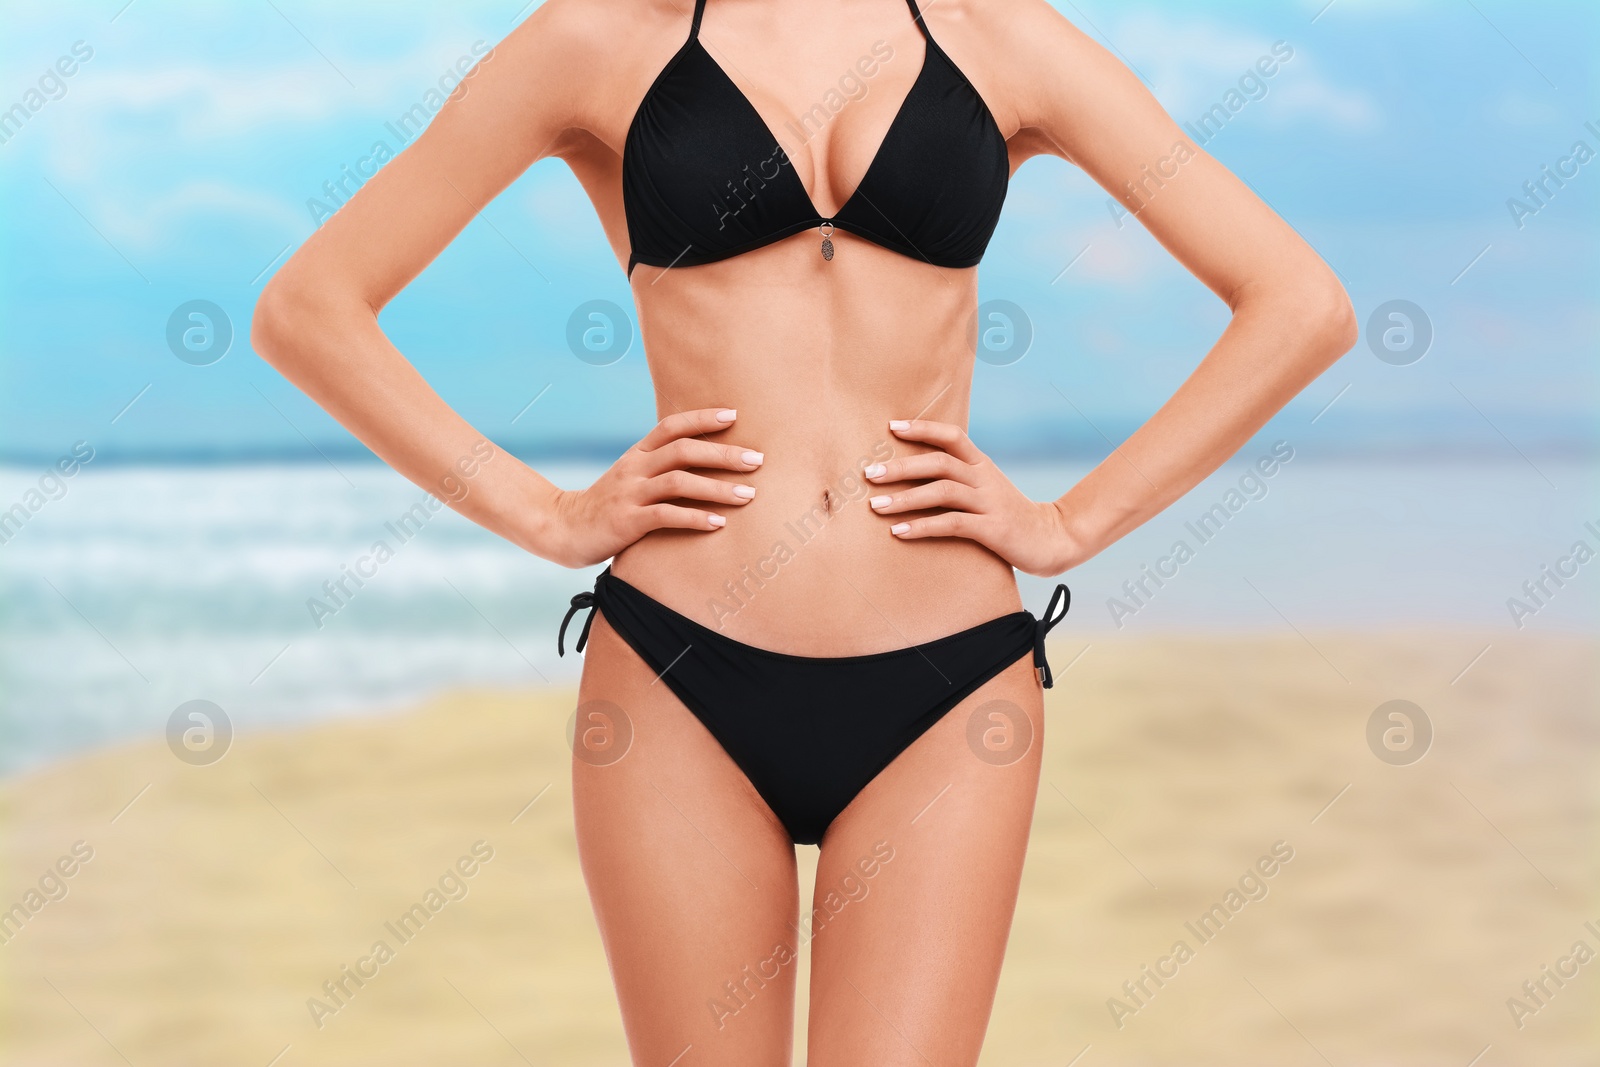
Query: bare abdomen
{"type": "Point", "coordinates": [817, 357]}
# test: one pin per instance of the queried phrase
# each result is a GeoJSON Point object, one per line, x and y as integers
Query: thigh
{"type": "Point", "coordinates": [916, 886]}
{"type": "Point", "coordinates": [691, 877]}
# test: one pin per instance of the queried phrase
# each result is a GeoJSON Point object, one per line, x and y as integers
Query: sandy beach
{"type": "Point", "coordinates": [1406, 905]}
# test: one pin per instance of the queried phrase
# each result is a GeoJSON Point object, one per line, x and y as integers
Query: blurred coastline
{"type": "Point", "coordinates": [162, 585]}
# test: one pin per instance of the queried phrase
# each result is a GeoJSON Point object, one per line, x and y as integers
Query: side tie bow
{"type": "Point", "coordinates": [1062, 598]}
{"type": "Point", "coordinates": [580, 601]}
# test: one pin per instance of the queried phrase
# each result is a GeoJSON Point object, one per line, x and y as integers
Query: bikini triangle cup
{"type": "Point", "coordinates": [933, 190]}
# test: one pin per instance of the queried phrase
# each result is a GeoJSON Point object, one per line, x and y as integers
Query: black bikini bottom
{"type": "Point", "coordinates": [811, 732]}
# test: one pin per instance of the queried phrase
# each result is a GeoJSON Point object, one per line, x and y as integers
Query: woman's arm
{"type": "Point", "coordinates": [537, 94]}
{"type": "Point", "coordinates": [1291, 318]}
{"type": "Point", "coordinates": [317, 319]}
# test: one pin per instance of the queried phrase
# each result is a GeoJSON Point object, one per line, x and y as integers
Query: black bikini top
{"type": "Point", "coordinates": [703, 178]}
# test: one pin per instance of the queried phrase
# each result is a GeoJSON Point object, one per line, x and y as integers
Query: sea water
{"type": "Point", "coordinates": [262, 588]}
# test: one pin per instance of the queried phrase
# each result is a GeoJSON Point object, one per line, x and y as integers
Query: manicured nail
{"type": "Point", "coordinates": [727, 415]}
{"type": "Point", "coordinates": [744, 492]}
{"type": "Point", "coordinates": [880, 501]}
{"type": "Point", "coordinates": [717, 520]}
{"type": "Point", "coordinates": [752, 458]}
{"type": "Point", "coordinates": [899, 424]}
{"type": "Point", "coordinates": [873, 470]}
{"type": "Point", "coordinates": [900, 527]}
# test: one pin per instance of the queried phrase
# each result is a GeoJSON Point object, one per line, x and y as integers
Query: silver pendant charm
{"type": "Point", "coordinates": [827, 240]}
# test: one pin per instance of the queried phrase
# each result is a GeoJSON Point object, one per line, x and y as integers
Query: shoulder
{"type": "Point", "coordinates": [1016, 24]}
{"type": "Point", "coordinates": [594, 52]}
{"type": "Point", "coordinates": [1027, 58]}
{"type": "Point", "coordinates": [1005, 48]}
{"type": "Point", "coordinates": [599, 34]}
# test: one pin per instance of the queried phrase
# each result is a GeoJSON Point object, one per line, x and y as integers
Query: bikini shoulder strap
{"type": "Point", "coordinates": [916, 16]}
{"type": "Point", "coordinates": [699, 10]}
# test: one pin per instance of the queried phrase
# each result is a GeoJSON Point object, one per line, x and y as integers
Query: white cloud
{"type": "Point", "coordinates": [1068, 215]}
{"type": "Point", "coordinates": [1312, 97]}
{"type": "Point", "coordinates": [159, 224]}
{"type": "Point", "coordinates": [1519, 109]}
{"type": "Point", "coordinates": [1193, 64]}
{"type": "Point", "coordinates": [201, 102]}
{"type": "Point", "coordinates": [204, 102]}
{"type": "Point", "coordinates": [154, 150]}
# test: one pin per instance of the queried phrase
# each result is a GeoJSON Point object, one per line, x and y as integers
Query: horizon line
{"type": "Point", "coordinates": [608, 452]}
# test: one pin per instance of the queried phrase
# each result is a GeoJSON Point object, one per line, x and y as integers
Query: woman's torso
{"type": "Point", "coordinates": [817, 356]}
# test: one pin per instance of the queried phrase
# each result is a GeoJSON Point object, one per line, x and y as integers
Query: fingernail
{"type": "Point", "coordinates": [880, 501]}
{"type": "Point", "coordinates": [900, 527]}
{"type": "Point", "coordinates": [899, 424]}
{"type": "Point", "coordinates": [873, 470]}
{"type": "Point", "coordinates": [744, 492]}
{"type": "Point", "coordinates": [752, 458]}
{"type": "Point", "coordinates": [717, 520]}
{"type": "Point", "coordinates": [727, 415]}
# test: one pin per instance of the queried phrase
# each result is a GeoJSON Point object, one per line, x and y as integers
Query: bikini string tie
{"type": "Point", "coordinates": [1061, 598]}
{"type": "Point", "coordinates": [580, 601]}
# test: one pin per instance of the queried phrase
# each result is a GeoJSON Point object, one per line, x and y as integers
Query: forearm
{"type": "Point", "coordinates": [334, 350]}
{"type": "Point", "coordinates": [1276, 343]}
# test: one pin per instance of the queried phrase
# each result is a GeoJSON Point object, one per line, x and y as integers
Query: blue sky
{"type": "Point", "coordinates": [176, 162]}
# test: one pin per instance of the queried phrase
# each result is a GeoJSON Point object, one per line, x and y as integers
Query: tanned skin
{"type": "Point", "coordinates": [785, 374]}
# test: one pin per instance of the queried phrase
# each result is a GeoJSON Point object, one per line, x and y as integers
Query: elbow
{"type": "Point", "coordinates": [1335, 326]}
{"type": "Point", "coordinates": [1311, 307]}
{"type": "Point", "coordinates": [296, 310]}
{"type": "Point", "coordinates": [272, 321]}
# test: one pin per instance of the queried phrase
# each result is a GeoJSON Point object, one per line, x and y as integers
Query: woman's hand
{"type": "Point", "coordinates": [983, 504]}
{"type": "Point", "coordinates": [586, 526]}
